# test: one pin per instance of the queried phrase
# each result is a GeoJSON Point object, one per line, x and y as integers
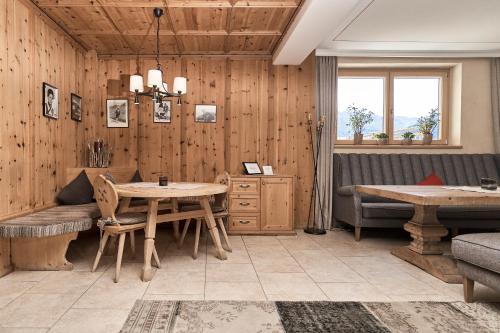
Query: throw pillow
{"type": "Point", "coordinates": [137, 177]}
{"type": "Point", "coordinates": [110, 177]}
{"type": "Point", "coordinates": [432, 179]}
{"type": "Point", "coordinates": [78, 192]}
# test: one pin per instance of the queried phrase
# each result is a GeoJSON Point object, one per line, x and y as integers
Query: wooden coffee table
{"type": "Point", "coordinates": [426, 249]}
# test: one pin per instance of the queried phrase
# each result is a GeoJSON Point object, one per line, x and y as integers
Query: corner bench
{"type": "Point", "coordinates": [39, 241]}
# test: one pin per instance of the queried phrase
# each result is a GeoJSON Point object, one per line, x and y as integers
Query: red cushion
{"type": "Point", "coordinates": [432, 179]}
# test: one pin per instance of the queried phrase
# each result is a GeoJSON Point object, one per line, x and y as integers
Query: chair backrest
{"type": "Point", "coordinates": [106, 197]}
{"type": "Point", "coordinates": [221, 199]}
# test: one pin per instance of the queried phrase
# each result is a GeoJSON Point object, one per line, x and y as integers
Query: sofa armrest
{"type": "Point", "coordinates": [347, 206]}
{"type": "Point", "coordinates": [346, 191]}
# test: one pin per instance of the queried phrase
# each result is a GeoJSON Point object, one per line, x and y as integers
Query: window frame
{"type": "Point", "coordinates": [389, 74]}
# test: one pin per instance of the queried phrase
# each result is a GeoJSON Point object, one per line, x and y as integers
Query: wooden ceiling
{"type": "Point", "coordinates": [188, 27]}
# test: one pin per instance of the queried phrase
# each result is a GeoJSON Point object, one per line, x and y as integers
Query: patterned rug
{"type": "Point", "coordinates": [311, 317]}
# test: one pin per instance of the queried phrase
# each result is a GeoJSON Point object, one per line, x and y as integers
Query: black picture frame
{"type": "Point", "coordinates": [76, 107]}
{"type": "Point", "coordinates": [157, 117]}
{"type": "Point", "coordinates": [118, 121]}
{"type": "Point", "coordinates": [53, 111]}
{"type": "Point", "coordinates": [205, 113]}
{"type": "Point", "coordinates": [249, 168]}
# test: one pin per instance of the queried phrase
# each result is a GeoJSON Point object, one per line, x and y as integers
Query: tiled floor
{"type": "Point", "coordinates": [302, 267]}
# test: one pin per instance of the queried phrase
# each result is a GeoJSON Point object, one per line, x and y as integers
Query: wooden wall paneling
{"type": "Point", "coordinates": [204, 142]}
{"type": "Point", "coordinates": [4, 115]}
{"type": "Point", "coordinates": [171, 133]}
{"type": "Point", "coordinates": [150, 134]}
{"type": "Point", "coordinates": [91, 112]}
{"type": "Point", "coordinates": [248, 103]}
{"type": "Point", "coordinates": [34, 150]}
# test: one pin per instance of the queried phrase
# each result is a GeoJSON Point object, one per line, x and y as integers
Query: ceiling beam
{"type": "Point", "coordinates": [172, 4]}
{"type": "Point", "coordinates": [316, 21]}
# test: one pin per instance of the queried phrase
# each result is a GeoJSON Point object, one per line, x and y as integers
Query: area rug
{"type": "Point", "coordinates": [308, 317]}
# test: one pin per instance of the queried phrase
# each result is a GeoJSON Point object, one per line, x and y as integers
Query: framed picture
{"type": "Point", "coordinates": [50, 101]}
{"type": "Point", "coordinates": [162, 112]}
{"type": "Point", "coordinates": [251, 168]}
{"type": "Point", "coordinates": [76, 107]}
{"type": "Point", "coordinates": [117, 113]}
{"type": "Point", "coordinates": [268, 170]}
{"type": "Point", "coordinates": [205, 113]}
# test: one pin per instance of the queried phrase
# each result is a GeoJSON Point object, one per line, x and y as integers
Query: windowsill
{"type": "Point", "coordinates": [413, 146]}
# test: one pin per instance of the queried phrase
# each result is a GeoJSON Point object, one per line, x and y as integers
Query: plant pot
{"type": "Point", "coordinates": [407, 141]}
{"type": "Point", "coordinates": [383, 141]}
{"type": "Point", "coordinates": [358, 138]}
{"type": "Point", "coordinates": [427, 139]}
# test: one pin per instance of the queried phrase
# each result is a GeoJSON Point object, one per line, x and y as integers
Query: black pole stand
{"type": "Point", "coordinates": [315, 192]}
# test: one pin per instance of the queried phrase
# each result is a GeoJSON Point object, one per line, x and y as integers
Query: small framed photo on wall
{"type": "Point", "coordinates": [162, 112]}
{"type": "Point", "coordinates": [117, 113]}
{"type": "Point", "coordinates": [205, 113]}
{"type": "Point", "coordinates": [251, 168]}
{"type": "Point", "coordinates": [76, 107]}
{"type": "Point", "coordinates": [50, 101]}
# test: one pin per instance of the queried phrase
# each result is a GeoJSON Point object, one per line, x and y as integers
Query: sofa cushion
{"type": "Point", "coordinates": [391, 210]}
{"type": "Point", "coordinates": [481, 250]}
{"type": "Point", "coordinates": [387, 210]}
{"type": "Point", "coordinates": [78, 192]}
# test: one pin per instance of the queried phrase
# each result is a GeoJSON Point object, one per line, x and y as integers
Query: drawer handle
{"type": "Point", "coordinates": [244, 185]}
{"type": "Point", "coordinates": [244, 204]}
{"type": "Point", "coordinates": [244, 222]}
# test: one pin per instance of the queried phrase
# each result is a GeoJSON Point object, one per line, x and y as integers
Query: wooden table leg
{"type": "Point", "coordinates": [175, 209]}
{"type": "Point", "coordinates": [212, 228]}
{"type": "Point", "coordinates": [124, 205]}
{"type": "Point", "coordinates": [425, 251]}
{"type": "Point", "coordinates": [149, 241]}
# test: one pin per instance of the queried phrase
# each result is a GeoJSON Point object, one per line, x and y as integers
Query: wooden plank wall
{"type": "Point", "coordinates": [261, 116]}
{"type": "Point", "coordinates": [34, 151]}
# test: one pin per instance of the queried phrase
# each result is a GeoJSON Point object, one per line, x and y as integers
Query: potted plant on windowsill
{"type": "Point", "coordinates": [427, 124]}
{"type": "Point", "coordinates": [407, 138]}
{"type": "Point", "coordinates": [382, 138]}
{"type": "Point", "coordinates": [358, 119]}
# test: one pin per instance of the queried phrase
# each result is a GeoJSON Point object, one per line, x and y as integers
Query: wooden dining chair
{"type": "Point", "coordinates": [220, 210]}
{"type": "Point", "coordinates": [116, 225]}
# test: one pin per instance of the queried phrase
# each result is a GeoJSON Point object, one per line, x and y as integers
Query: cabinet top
{"type": "Point", "coordinates": [261, 176]}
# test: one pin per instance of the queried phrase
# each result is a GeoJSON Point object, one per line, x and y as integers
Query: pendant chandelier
{"type": "Point", "coordinates": [159, 89]}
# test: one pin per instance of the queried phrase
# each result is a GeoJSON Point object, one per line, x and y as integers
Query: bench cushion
{"type": "Point", "coordinates": [481, 250]}
{"type": "Point", "coordinates": [51, 222]}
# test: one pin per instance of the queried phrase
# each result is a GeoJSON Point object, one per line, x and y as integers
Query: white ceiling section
{"type": "Point", "coordinates": [427, 28]}
{"type": "Point", "coordinates": [316, 21]}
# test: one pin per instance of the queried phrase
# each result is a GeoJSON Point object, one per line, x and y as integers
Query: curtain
{"type": "Point", "coordinates": [495, 101]}
{"type": "Point", "coordinates": [326, 105]}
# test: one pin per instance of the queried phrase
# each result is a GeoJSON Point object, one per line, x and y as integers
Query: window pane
{"type": "Point", "coordinates": [361, 92]}
{"type": "Point", "coordinates": [414, 97]}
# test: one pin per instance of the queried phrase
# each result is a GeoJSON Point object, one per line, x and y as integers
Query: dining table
{"type": "Point", "coordinates": [173, 192]}
{"type": "Point", "coordinates": [427, 248]}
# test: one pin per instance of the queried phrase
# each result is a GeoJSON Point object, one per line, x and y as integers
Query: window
{"type": "Point", "coordinates": [396, 97]}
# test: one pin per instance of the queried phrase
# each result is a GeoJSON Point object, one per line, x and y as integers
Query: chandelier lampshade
{"type": "Point", "coordinates": [154, 78]}
{"type": "Point", "coordinates": [136, 83]}
{"type": "Point", "coordinates": [180, 85]}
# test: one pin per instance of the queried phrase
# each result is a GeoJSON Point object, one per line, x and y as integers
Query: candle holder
{"type": "Point", "coordinates": [163, 181]}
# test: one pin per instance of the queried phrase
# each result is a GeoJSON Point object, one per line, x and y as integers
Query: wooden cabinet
{"type": "Point", "coordinates": [261, 205]}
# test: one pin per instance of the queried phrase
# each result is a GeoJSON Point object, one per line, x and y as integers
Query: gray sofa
{"type": "Point", "coordinates": [408, 169]}
{"type": "Point", "coordinates": [478, 259]}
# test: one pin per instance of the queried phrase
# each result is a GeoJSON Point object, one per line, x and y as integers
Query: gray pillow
{"type": "Point", "coordinates": [110, 177]}
{"type": "Point", "coordinates": [78, 192]}
{"type": "Point", "coordinates": [137, 177]}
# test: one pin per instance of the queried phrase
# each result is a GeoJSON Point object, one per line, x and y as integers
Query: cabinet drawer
{"type": "Point", "coordinates": [248, 186]}
{"type": "Point", "coordinates": [239, 203]}
{"type": "Point", "coordinates": [244, 222]}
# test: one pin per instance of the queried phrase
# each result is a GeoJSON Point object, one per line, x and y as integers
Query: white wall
{"type": "Point", "coordinates": [470, 103]}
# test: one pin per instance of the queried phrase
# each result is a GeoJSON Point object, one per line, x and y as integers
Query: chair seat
{"type": "Point", "coordinates": [482, 250]}
{"type": "Point", "coordinates": [131, 218]}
